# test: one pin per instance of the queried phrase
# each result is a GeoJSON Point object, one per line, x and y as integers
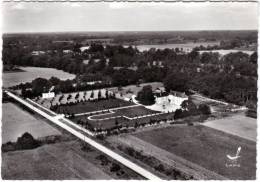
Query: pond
{"type": "Point", "coordinates": [223, 52]}
{"type": "Point", "coordinates": [187, 47]}
{"type": "Point", "coordinates": [30, 73]}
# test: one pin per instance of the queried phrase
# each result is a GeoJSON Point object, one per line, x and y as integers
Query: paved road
{"type": "Point", "coordinates": [76, 132]}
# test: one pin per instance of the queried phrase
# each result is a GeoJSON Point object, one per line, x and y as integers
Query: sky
{"type": "Point", "coordinates": [114, 16]}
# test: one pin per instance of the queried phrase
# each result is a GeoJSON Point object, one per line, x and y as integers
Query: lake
{"type": "Point", "coordinates": [15, 122]}
{"type": "Point", "coordinates": [187, 47]}
{"type": "Point", "coordinates": [30, 73]}
{"type": "Point", "coordinates": [223, 52]}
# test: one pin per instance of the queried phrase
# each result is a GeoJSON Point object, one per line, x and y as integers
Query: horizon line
{"type": "Point", "coordinates": [110, 31]}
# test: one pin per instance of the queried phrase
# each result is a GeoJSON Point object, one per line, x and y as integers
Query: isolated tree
{"type": "Point", "coordinates": [106, 94]}
{"type": "Point", "coordinates": [92, 94]}
{"type": "Point", "coordinates": [26, 141]}
{"type": "Point", "coordinates": [146, 96]}
{"type": "Point", "coordinates": [40, 85]}
{"type": "Point", "coordinates": [99, 94]}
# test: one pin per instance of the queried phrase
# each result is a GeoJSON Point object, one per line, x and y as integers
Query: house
{"type": "Point", "coordinates": [178, 94]}
{"type": "Point", "coordinates": [67, 51]}
{"type": "Point", "coordinates": [86, 61]}
{"type": "Point", "coordinates": [37, 53]}
{"type": "Point", "coordinates": [159, 92]}
{"type": "Point", "coordinates": [84, 48]}
{"type": "Point", "coordinates": [93, 82]}
{"type": "Point", "coordinates": [48, 95]}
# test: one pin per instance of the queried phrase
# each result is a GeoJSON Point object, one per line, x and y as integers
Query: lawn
{"type": "Point", "coordinates": [206, 147]}
{"type": "Point", "coordinates": [90, 106]}
{"type": "Point", "coordinates": [128, 112]}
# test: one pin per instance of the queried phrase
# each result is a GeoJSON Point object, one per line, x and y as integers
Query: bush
{"type": "Point", "coordinates": [159, 168]}
{"type": "Point", "coordinates": [26, 141]}
{"type": "Point", "coordinates": [104, 160]}
{"type": "Point", "coordinates": [204, 109]}
{"type": "Point", "coordinates": [115, 167]}
{"type": "Point", "coordinates": [178, 114]}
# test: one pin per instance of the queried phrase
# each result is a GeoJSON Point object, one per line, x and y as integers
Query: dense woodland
{"type": "Point", "coordinates": [232, 77]}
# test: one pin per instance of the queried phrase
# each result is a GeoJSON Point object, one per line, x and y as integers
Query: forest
{"type": "Point", "coordinates": [232, 77]}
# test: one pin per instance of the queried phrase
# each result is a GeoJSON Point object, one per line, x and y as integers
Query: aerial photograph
{"type": "Point", "coordinates": [129, 91]}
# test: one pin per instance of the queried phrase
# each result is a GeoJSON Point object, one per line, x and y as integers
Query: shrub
{"type": "Point", "coordinates": [104, 160]}
{"type": "Point", "coordinates": [204, 109]}
{"type": "Point", "coordinates": [159, 168]}
{"type": "Point", "coordinates": [26, 141]}
{"type": "Point", "coordinates": [115, 167]}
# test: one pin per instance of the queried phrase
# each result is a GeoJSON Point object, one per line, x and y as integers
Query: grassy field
{"type": "Point", "coordinates": [128, 112]}
{"type": "Point", "coordinates": [16, 121]}
{"type": "Point", "coordinates": [62, 161]}
{"type": "Point", "coordinates": [90, 106]}
{"type": "Point", "coordinates": [30, 73]}
{"type": "Point", "coordinates": [206, 147]}
{"type": "Point", "coordinates": [238, 124]}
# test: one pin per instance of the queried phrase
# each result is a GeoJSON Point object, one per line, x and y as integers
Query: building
{"type": "Point", "coordinates": [37, 53]}
{"type": "Point", "coordinates": [160, 91]}
{"type": "Point", "coordinates": [67, 51]}
{"type": "Point", "coordinates": [48, 95]}
{"type": "Point", "coordinates": [93, 82]}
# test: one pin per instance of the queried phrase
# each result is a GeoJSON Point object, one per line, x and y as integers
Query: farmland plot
{"type": "Point", "coordinates": [205, 147]}
{"type": "Point", "coordinates": [16, 122]}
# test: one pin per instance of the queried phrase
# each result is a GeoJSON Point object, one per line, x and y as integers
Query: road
{"type": "Point", "coordinates": [63, 123]}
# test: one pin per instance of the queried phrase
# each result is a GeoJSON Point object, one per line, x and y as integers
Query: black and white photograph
{"type": "Point", "coordinates": [129, 90]}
